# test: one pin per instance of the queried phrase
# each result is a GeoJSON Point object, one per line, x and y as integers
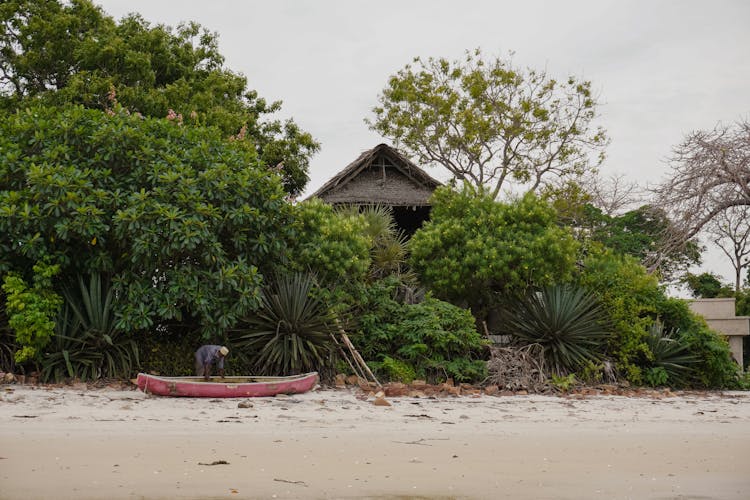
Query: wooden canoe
{"type": "Point", "coordinates": [228, 387]}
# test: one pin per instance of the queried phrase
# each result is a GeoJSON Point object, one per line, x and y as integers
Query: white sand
{"type": "Point", "coordinates": [68, 443]}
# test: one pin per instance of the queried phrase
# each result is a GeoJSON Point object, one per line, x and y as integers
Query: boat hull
{"type": "Point", "coordinates": [230, 387]}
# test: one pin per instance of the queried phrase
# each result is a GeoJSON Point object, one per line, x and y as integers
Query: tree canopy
{"type": "Point", "coordinates": [638, 233]}
{"type": "Point", "coordinates": [73, 53]}
{"type": "Point", "coordinates": [475, 247]}
{"type": "Point", "coordinates": [490, 123]}
{"type": "Point", "coordinates": [183, 220]}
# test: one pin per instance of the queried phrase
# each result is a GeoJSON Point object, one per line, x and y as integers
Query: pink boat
{"type": "Point", "coordinates": [228, 387]}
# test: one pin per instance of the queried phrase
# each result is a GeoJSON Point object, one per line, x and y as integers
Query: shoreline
{"type": "Point", "coordinates": [335, 443]}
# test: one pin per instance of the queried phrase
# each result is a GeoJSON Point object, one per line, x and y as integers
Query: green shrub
{"type": "Point", "coordinates": [32, 310]}
{"type": "Point", "coordinates": [670, 361]}
{"type": "Point", "coordinates": [437, 340]}
{"type": "Point", "coordinates": [715, 368]}
{"type": "Point", "coordinates": [8, 345]}
{"type": "Point", "coordinates": [564, 382]}
{"type": "Point", "coordinates": [629, 295]}
{"type": "Point", "coordinates": [656, 376]}
{"type": "Point", "coordinates": [182, 219]}
{"type": "Point", "coordinates": [330, 244]}
{"type": "Point", "coordinates": [395, 370]}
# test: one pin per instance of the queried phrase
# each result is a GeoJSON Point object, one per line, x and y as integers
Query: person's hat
{"type": "Point", "coordinates": [224, 351]}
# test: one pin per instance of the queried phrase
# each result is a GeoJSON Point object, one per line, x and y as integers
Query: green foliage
{"type": "Point", "coordinates": [564, 382]}
{"type": "Point", "coordinates": [707, 286]}
{"type": "Point", "coordinates": [8, 346]}
{"type": "Point", "coordinates": [62, 53]}
{"type": "Point", "coordinates": [291, 332]}
{"type": "Point", "coordinates": [173, 355]}
{"type": "Point", "coordinates": [435, 339]}
{"type": "Point", "coordinates": [489, 122]}
{"type": "Point", "coordinates": [671, 361]}
{"type": "Point", "coordinates": [713, 365]}
{"type": "Point", "coordinates": [32, 310]}
{"type": "Point", "coordinates": [634, 300]}
{"type": "Point", "coordinates": [629, 295]}
{"type": "Point", "coordinates": [715, 368]}
{"type": "Point", "coordinates": [638, 233]}
{"type": "Point", "coordinates": [566, 321]}
{"type": "Point", "coordinates": [331, 244]}
{"type": "Point", "coordinates": [743, 382]}
{"type": "Point", "coordinates": [395, 370]}
{"type": "Point", "coordinates": [742, 302]}
{"type": "Point", "coordinates": [474, 247]}
{"type": "Point", "coordinates": [656, 376]}
{"type": "Point", "coordinates": [87, 344]}
{"type": "Point", "coordinates": [183, 220]}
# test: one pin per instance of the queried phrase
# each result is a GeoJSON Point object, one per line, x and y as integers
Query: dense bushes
{"type": "Point", "coordinates": [474, 248]}
{"type": "Point", "coordinates": [634, 301]}
{"type": "Point", "coordinates": [431, 340]}
{"type": "Point", "coordinates": [331, 244]}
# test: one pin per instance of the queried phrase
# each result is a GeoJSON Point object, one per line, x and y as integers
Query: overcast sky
{"type": "Point", "coordinates": [660, 68]}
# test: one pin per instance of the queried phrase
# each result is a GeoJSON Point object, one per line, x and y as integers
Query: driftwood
{"type": "Point", "coordinates": [517, 368]}
{"type": "Point", "coordinates": [356, 363]}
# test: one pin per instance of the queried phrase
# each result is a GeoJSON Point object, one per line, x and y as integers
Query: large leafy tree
{"type": "Point", "coordinates": [474, 247]}
{"type": "Point", "coordinates": [490, 123]}
{"type": "Point", "coordinates": [183, 220]}
{"type": "Point", "coordinates": [72, 53]}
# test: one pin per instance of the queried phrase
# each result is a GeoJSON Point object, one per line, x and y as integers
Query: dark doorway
{"type": "Point", "coordinates": [409, 219]}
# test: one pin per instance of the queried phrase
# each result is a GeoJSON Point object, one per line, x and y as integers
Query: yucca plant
{"type": "Point", "coordinates": [86, 344]}
{"type": "Point", "coordinates": [671, 363]}
{"type": "Point", "coordinates": [565, 321]}
{"type": "Point", "coordinates": [291, 332]}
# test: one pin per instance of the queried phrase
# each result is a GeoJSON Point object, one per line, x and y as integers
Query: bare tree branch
{"type": "Point", "coordinates": [710, 174]}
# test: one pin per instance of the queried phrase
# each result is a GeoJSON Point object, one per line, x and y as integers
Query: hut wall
{"type": "Point", "coordinates": [370, 187]}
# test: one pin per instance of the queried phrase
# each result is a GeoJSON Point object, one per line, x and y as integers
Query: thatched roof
{"type": "Point", "coordinates": [380, 175]}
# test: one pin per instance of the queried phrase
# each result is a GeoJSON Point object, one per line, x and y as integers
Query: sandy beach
{"type": "Point", "coordinates": [74, 442]}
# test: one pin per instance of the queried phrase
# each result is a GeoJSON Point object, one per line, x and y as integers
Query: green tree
{"type": "Point", "coordinates": [474, 247]}
{"type": "Point", "coordinates": [638, 233]}
{"type": "Point", "coordinates": [707, 286]}
{"type": "Point", "coordinates": [73, 53]}
{"type": "Point", "coordinates": [491, 123]}
{"type": "Point", "coordinates": [332, 244]}
{"type": "Point", "coordinates": [182, 220]}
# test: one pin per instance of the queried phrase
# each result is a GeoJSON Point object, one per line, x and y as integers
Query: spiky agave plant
{"type": "Point", "coordinates": [290, 333]}
{"type": "Point", "coordinates": [668, 356]}
{"type": "Point", "coordinates": [566, 321]}
{"type": "Point", "coordinates": [87, 345]}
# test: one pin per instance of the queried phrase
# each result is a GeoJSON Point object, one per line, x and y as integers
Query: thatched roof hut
{"type": "Point", "coordinates": [383, 176]}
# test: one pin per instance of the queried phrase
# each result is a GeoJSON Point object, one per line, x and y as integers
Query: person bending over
{"type": "Point", "coordinates": [208, 355]}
